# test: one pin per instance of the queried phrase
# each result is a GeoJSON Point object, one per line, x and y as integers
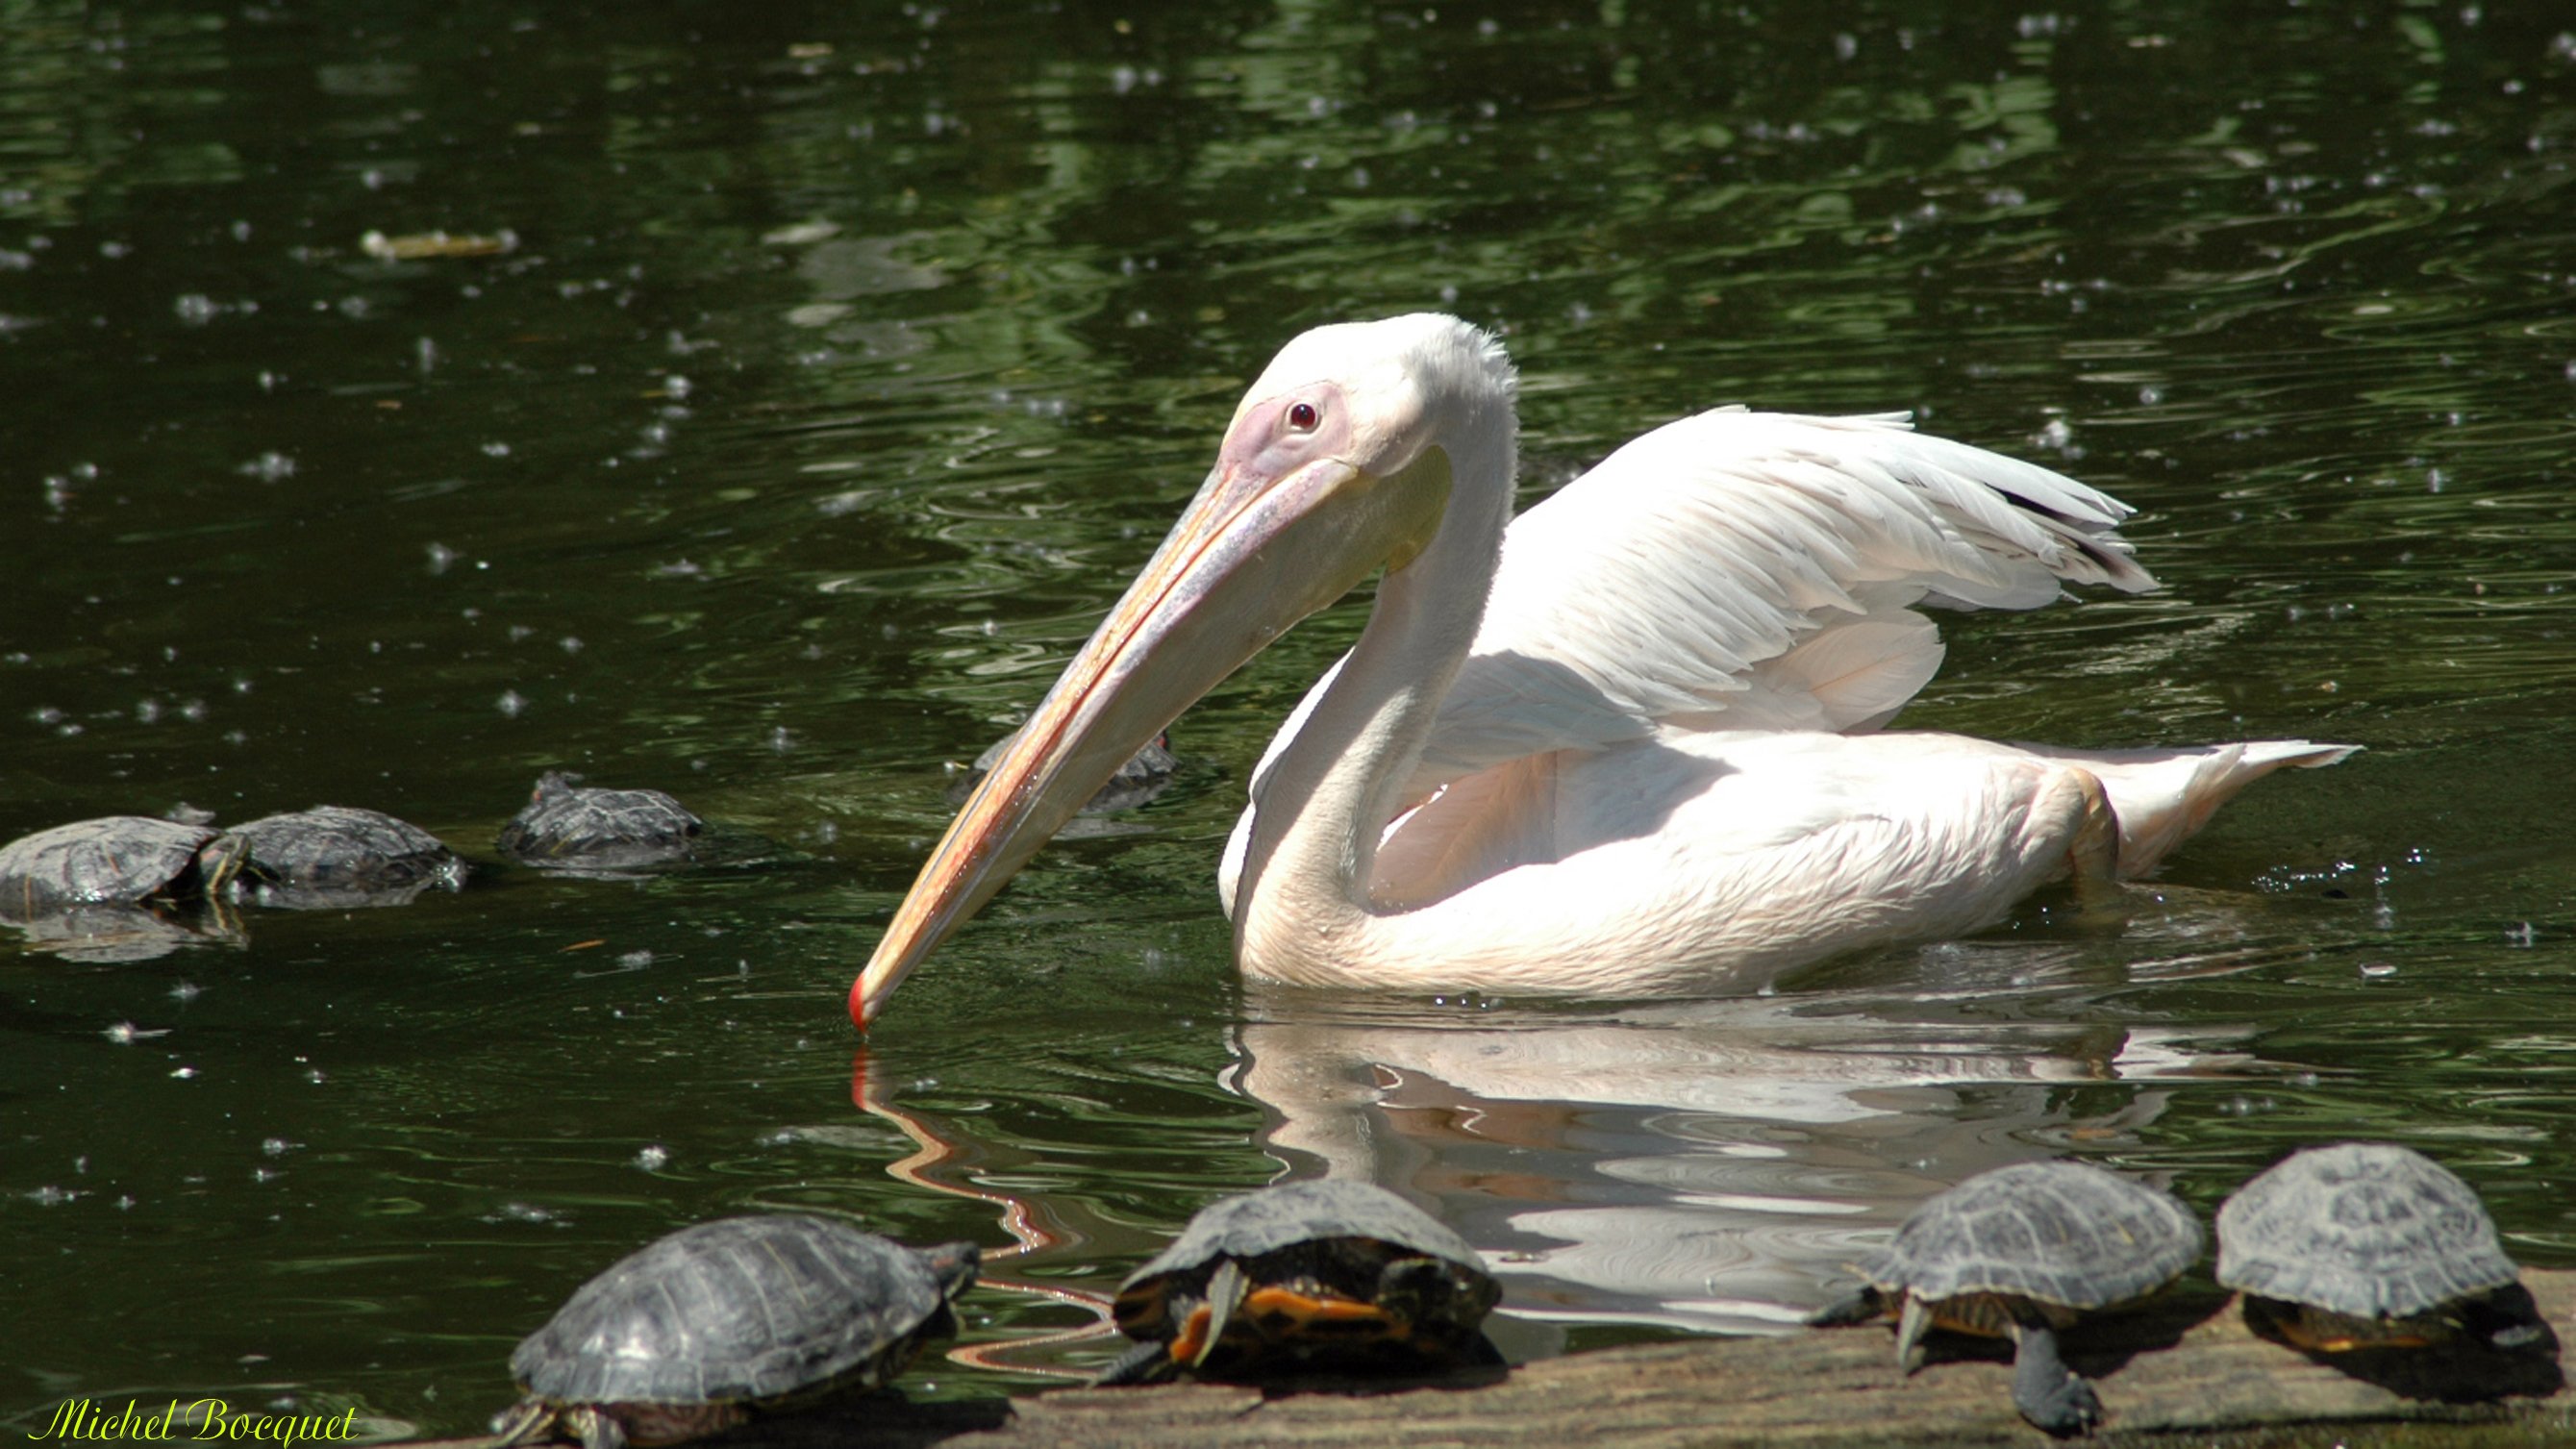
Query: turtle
{"type": "Point", "coordinates": [1306, 1277]}
{"type": "Point", "coordinates": [328, 856]}
{"type": "Point", "coordinates": [2371, 1245]}
{"type": "Point", "coordinates": [115, 859]}
{"type": "Point", "coordinates": [2021, 1252]}
{"type": "Point", "coordinates": [1144, 776]}
{"type": "Point", "coordinates": [584, 827]}
{"type": "Point", "coordinates": [704, 1328]}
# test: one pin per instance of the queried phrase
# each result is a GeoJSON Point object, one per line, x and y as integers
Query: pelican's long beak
{"type": "Point", "coordinates": [1258, 549]}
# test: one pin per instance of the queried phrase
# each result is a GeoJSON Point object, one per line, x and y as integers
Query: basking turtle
{"type": "Point", "coordinates": [1306, 1277]}
{"type": "Point", "coordinates": [569, 825]}
{"type": "Point", "coordinates": [704, 1328]}
{"type": "Point", "coordinates": [2021, 1252]}
{"type": "Point", "coordinates": [1143, 777]}
{"type": "Point", "coordinates": [2371, 1245]}
{"type": "Point", "coordinates": [117, 859]}
{"type": "Point", "coordinates": [328, 856]}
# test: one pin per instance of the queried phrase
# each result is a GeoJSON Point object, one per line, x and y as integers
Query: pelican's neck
{"type": "Point", "coordinates": [1302, 907]}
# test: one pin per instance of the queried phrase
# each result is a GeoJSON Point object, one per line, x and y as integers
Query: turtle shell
{"type": "Point", "coordinates": [1369, 1262]}
{"type": "Point", "coordinates": [1264, 1222]}
{"type": "Point", "coordinates": [569, 824]}
{"type": "Point", "coordinates": [2058, 1233]}
{"type": "Point", "coordinates": [1144, 775]}
{"type": "Point", "coordinates": [336, 854]}
{"type": "Point", "coordinates": [116, 858]}
{"type": "Point", "coordinates": [748, 1309]}
{"type": "Point", "coordinates": [2369, 1230]}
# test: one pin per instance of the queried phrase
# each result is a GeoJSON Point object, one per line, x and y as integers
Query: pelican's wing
{"type": "Point", "coordinates": [1740, 570]}
{"type": "Point", "coordinates": [1744, 570]}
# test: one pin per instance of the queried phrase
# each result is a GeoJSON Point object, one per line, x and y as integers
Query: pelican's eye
{"type": "Point", "coordinates": [1303, 418]}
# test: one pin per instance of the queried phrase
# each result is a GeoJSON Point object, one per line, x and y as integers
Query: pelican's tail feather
{"type": "Point", "coordinates": [2163, 797]}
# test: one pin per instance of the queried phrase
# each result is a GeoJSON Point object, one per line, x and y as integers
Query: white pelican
{"type": "Point", "coordinates": [1625, 745]}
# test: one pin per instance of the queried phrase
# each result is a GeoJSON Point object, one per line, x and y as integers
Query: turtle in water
{"type": "Point", "coordinates": [117, 889]}
{"type": "Point", "coordinates": [710, 1325]}
{"type": "Point", "coordinates": [571, 826]}
{"type": "Point", "coordinates": [2372, 1245]}
{"type": "Point", "coordinates": [1143, 777]}
{"type": "Point", "coordinates": [326, 857]}
{"type": "Point", "coordinates": [2021, 1252]}
{"type": "Point", "coordinates": [1306, 1277]}
{"type": "Point", "coordinates": [114, 860]}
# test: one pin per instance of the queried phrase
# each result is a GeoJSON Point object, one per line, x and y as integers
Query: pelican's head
{"type": "Point", "coordinates": [1332, 467]}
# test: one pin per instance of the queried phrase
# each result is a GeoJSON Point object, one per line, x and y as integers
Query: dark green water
{"type": "Point", "coordinates": [848, 360]}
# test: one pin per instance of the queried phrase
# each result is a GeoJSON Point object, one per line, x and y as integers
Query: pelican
{"type": "Point", "coordinates": [1628, 744]}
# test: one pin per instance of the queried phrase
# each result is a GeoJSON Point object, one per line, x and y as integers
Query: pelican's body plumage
{"type": "Point", "coordinates": [1626, 744]}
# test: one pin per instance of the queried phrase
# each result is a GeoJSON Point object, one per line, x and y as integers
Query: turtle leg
{"type": "Point", "coordinates": [2044, 1389]}
{"type": "Point", "coordinates": [1149, 1362]}
{"type": "Point", "coordinates": [1205, 1327]}
{"type": "Point", "coordinates": [1225, 1294]}
{"type": "Point", "coordinates": [527, 1422]}
{"type": "Point", "coordinates": [598, 1428]}
{"type": "Point", "coordinates": [1912, 1322]}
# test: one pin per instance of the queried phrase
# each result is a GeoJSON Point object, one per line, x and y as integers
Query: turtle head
{"type": "Point", "coordinates": [1419, 1291]}
{"type": "Point", "coordinates": [955, 1265]}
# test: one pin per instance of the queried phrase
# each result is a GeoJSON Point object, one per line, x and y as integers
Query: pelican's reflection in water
{"type": "Point", "coordinates": [1708, 1165]}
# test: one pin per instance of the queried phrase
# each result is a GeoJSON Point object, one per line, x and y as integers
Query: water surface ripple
{"type": "Point", "coordinates": [799, 383]}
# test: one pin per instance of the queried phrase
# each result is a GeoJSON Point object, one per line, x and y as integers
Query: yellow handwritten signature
{"type": "Point", "coordinates": [204, 1419]}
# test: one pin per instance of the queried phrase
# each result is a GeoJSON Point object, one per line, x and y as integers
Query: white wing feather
{"type": "Point", "coordinates": [1744, 570]}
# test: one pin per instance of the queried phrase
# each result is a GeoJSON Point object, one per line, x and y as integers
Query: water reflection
{"type": "Point", "coordinates": [948, 1161]}
{"type": "Point", "coordinates": [1709, 1165]}
{"type": "Point", "coordinates": [109, 932]}
{"type": "Point", "coordinates": [1703, 1166]}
